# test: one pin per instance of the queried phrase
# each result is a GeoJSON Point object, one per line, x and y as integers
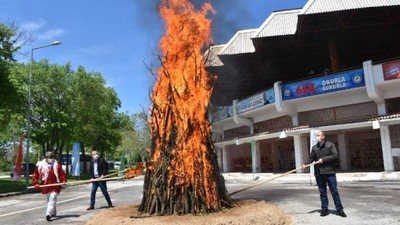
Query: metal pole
{"type": "Point", "coordinates": [28, 116]}
{"type": "Point", "coordinates": [28, 122]}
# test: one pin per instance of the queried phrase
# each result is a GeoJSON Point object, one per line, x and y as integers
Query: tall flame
{"type": "Point", "coordinates": [181, 132]}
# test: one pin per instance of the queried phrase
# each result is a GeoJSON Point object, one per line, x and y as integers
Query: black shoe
{"type": "Point", "coordinates": [111, 206]}
{"type": "Point", "coordinates": [324, 212]}
{"type": "Point", "coordinates": [90, 208]}
{"type": "Point", "coordinates": [341, 213]}
{"type": "Point", "coordinates": [48, 217]}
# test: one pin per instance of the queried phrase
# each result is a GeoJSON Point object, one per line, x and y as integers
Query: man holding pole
{"type": "Point", "coordinates": [98, 169]}
{"type": "Point", "coordinates": [48, 171]}
{"type": "Point", "coordinates": [324, 154]}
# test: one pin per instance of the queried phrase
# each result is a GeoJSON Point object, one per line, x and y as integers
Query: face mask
{"type": "Point", "coordinates": [50, 161]}
{"type": "Point", "coordinates": [318, 139]}
{"type": "Point", "coordinates": [95, 157]}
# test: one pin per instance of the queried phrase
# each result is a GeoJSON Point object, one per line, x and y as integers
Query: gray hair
{"type": "Point", "coordinates": [49, 154]}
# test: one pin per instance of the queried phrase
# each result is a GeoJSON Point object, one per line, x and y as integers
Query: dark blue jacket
{"type": "Point", "coordinates": [328, 152]}
{"type": "Point", "coordinates": [102, 167]}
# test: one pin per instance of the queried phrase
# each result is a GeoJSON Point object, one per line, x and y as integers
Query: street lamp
{"type": "Point", "coordinates": [28, 121]}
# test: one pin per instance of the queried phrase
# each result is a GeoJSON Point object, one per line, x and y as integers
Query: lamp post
{"type": "Point", "coordinates": [28, 121]}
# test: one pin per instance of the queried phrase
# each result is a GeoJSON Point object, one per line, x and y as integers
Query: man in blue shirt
{"type": "Point", "coordinates": [98, 169]}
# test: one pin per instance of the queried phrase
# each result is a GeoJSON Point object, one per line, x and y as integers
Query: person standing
{"type": "Point", "coordinates": [324, 153]}
{"type": "Point", "coordinates": [98, 168]}
{"type": "Point", "coordinates": [49, 171]}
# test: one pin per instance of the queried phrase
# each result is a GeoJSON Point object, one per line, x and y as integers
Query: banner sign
{"type": "Point", "coordinates": [220, 114]}
{"type": "Point", "coordinates": [253, 102]}
{"type": "Point", "coordinates": [391, 70]}
{"type": "Point", "coordinates": [323, 85]}
{"type": "Point", "coordinates": [75, 160]}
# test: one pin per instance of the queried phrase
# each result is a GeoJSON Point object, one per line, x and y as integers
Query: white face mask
{"type": "Point", "coordinates": [95, 157]}
{"type": "Point", "coordinates": [50, 161]}
{"type": "Point", "coordinates": [318, 138]}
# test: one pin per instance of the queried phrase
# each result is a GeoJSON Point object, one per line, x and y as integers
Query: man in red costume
{"type": "Point", "coordinates": [49, 171]}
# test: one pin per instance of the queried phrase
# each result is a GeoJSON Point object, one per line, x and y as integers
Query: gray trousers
{"type": "Point", "coordinates": [51, 204]}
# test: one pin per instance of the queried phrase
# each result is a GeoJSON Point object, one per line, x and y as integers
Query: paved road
{"type": "Point", "coordinates": [29, 209]}
{"type": "Point", "coordinates": [366, 202]}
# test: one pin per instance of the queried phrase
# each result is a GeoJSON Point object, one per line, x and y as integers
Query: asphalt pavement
{"type": "Point", "coordinates": [369, 199]}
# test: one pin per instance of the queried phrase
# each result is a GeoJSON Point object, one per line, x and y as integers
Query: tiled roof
{"type": "Point", "coordinates": [279, 24]}
{"type": "Point", "coordinates": [211, 56]}
{"type": "Point", "coordinates": [323, 6]}
{"type": "Point", "coordinates": [240, 43]}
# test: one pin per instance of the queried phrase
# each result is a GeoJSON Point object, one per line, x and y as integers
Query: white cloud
{"type": "Point", "coordinates": [50, 34]}
{"type": "Point", "coordinates": [38, 30]}
{"type": "Point", "coordinates": [32, 26]}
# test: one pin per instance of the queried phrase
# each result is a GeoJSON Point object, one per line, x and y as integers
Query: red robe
{"type": "Point", "coordinates": [51, 179]}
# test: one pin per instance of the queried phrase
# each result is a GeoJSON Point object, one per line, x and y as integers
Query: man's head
{"type": "Point", "coordinates": [49, 157]}
{"type": "Point", "coordinates": [320, 136]}
{"type": "Point", "coordinates": [95, 156]}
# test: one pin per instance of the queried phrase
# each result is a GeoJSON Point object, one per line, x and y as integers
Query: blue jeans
{"type": "Point", "coordinates": [322, 181]}
{"type": "Point", "coordinates": [103, 188]}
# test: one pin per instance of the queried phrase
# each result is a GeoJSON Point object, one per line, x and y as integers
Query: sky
{"type": "Point", "coordinates": [119, 38]}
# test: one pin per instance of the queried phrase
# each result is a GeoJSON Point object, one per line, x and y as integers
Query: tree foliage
{"type": "Point", "coordinates": [10, 40]}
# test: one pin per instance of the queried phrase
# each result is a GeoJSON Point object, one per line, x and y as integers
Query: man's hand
{"type": "Point", "coordinates": [303, 167]}
{"type": "Point", "coordinates": [37, 187]}
{"type": "Point", "coordinates": [319, 161]}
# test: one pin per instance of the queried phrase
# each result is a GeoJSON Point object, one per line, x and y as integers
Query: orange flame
{"type": "Point", "coordinates": [181, 99]}
{"type": "Point", "coordinates": [134, 172]}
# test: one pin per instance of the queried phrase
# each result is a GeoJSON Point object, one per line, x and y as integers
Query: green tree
{"type": "Point", "coordinates": [11, 41]}
{"type": "Point", "coordinates": [135, 139]}
{"type": "Point", "coordinates": [96, 113]}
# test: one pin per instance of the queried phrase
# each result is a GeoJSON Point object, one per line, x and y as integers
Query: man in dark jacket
{"type": "Point", "coordinates": [98, 169]}
{"type": "Point", "coordinates": [324, 153]}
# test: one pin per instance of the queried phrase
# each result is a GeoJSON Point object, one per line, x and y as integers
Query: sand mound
{"type": "Point", "coordinates": [245, 212]}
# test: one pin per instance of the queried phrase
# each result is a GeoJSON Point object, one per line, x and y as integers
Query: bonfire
{"type": "Point", "coordinates": [182, 174]}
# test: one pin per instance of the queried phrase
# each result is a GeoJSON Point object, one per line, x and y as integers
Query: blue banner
{"type": "Point", "coordinates": [253, 102]}
{"type": "Point", "coordinates": [325, 84]}
{"type": "Point", "coordinates": [75, 160]}
{"type": "Point", "coordinates": [220, 114]}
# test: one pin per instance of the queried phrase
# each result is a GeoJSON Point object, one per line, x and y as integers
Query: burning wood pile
{"type": "Point", "coordinates": [182, 174]}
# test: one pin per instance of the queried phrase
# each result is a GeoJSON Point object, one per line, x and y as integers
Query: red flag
{"type": "Point", "coordinates": [18, 160]}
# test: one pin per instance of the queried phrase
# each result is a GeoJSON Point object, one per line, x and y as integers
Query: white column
{"type": "Point", "coordinates": [381, 108]}
{"type": "Point", "coordinates": [298, 151]}
{"type": "Point", "coordinates": [219, 158]}
{"type": "Point", "coordinates": [373, 92]}
{"type": "Point", "coordinates": [386, 148]}
{"type": "Point", "coordinates": [344, 162]}
{"type": "Point", "coordinates": [255, 157]}
{"type": "Point", "coordinates": [225, 156]}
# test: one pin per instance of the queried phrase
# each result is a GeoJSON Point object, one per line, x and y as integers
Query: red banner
{"type": "Point", "coordinates": [391, 70]}
{"type": "Point", "coordinates": [18, 160]}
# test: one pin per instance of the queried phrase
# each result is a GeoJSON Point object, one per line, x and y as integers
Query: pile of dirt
{"type": "Point", "coordinates": [245, 212]}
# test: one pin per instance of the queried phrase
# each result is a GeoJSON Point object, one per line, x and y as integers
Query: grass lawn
{"type": "Point", "coordinates": [7, 185]}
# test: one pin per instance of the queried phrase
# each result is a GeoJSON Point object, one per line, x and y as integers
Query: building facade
{"type": "Point", "coordinates": [325, 67]}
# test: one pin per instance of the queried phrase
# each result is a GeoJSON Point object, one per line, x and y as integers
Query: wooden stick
{"type": "Point", "coordinates": [78, 182]}
{"type": "Point", "coordinates": [273, 178]}
{"type": "Point", "coordinates": [104, 178]}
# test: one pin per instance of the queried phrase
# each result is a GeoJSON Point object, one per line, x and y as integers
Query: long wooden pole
{"type": "Point", "coordinates": [104, 178]}
{"type": "Point", "coordinates": [272, 178]}
{"type": "Point", "coordinates": [78, 182]}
